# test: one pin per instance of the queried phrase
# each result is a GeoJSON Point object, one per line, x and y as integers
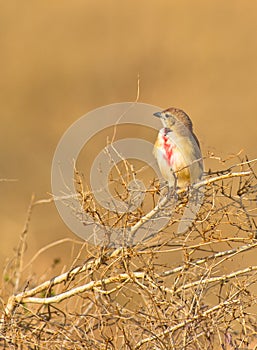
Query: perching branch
{"type": "Point", "coordinates": [175, 290]}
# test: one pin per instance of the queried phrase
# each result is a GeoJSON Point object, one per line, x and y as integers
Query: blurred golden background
{"type": "Point", "coordinates": [59, 60]}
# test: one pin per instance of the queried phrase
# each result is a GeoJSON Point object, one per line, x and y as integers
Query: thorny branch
{"type": "Point", "coordinates": [169, 292]}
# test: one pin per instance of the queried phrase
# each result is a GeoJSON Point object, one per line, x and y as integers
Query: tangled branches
{"type": "Point", "coordinates": [195, 290]}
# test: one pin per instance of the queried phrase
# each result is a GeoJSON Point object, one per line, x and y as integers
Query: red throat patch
{"type": "Point", "coordinates": [168, 149]}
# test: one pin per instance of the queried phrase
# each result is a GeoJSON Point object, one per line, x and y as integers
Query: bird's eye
{"type": "Point", "coordinates": [167, 115]}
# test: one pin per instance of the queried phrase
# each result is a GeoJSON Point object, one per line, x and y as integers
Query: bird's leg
{"type": "Point", "coordinates": [196, 194]}
{"type": "Point", "coordinates": [172, 189]}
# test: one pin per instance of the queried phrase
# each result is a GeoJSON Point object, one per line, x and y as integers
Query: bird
{"type": "Point", "coordinates": [177, 149]}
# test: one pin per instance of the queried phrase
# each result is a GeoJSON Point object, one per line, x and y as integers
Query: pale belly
{"type": "Point", "coordinates": [173, 170]}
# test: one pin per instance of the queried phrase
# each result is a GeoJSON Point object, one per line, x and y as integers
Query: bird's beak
{"type": "Point", "coordinates": [158, 114]}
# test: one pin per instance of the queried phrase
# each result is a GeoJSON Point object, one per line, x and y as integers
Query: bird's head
{"type": "Point", "coordinates": [173, 116]}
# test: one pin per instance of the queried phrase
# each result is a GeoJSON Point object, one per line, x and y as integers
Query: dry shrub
{"type": "Point", "coordinates": [196, 290]}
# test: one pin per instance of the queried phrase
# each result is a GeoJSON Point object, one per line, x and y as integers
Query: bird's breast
{"type": "Point", "coordinates": [168, 149]}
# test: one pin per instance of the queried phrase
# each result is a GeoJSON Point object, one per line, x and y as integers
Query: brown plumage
{"type": "Point", "coordinates": [177, 149]}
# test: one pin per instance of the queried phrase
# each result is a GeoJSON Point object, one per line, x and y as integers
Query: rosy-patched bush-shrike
{"type": "Point", "coordinates": [177, 149]}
